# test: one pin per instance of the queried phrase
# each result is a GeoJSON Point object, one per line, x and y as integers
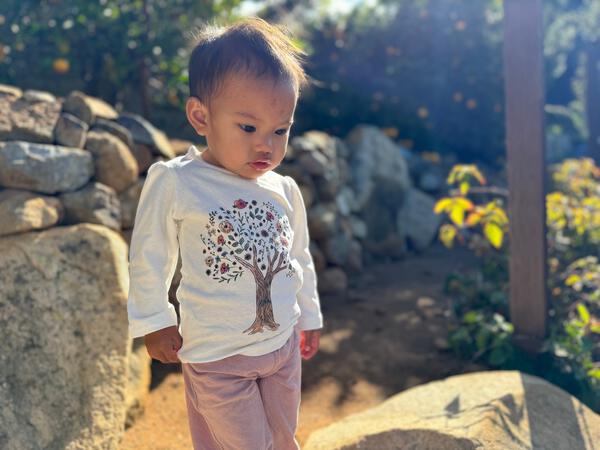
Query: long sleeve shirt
{"type": "Point", "coordinates": [247, 276]}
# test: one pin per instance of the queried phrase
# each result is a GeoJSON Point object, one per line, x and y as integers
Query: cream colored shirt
{"type": "Point", "coordinates": [247, 277]}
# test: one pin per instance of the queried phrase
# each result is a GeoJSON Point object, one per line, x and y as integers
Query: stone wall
{"type": "Point", "coordinates": [70, 164]}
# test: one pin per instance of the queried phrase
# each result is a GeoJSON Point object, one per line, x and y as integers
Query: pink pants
{"type": "Point", "coordinates": [245, 402]}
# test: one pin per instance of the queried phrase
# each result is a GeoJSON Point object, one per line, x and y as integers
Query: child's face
{"type": "Point", "coordinates": [248, 121]}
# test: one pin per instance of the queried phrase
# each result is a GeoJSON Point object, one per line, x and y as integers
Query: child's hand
{"type": "Point", "coordinates": [164, 344]}
{"type": "Point", "coordinates": [309, 343]}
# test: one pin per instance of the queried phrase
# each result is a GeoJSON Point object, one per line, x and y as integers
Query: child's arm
{"type": "Point", "coordinates": [311, 319]}
{"type": "Point", "coordinates": [152, 261]}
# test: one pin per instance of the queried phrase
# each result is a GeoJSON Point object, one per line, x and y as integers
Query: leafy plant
{"type": "Point", "coordinates": [483, 332]}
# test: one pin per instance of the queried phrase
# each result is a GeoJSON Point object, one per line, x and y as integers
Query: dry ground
{"type": "Point", "coordinates": [380, 339]}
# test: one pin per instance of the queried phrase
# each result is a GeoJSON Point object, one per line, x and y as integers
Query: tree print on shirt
{"type": "Point", "coordinates": [249, 238]}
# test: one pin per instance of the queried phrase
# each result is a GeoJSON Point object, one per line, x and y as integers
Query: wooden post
{"type": "Point", "coordinates": [525, 142]}
{"type": "Point", "coordinates": [592, 98]}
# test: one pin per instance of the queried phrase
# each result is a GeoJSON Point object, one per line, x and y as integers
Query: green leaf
{"type": "Point", "coordinates": [482, 338]}
{"type": "Point", "coordinates": [497, 356]}
{"type": "Point", "coordinates": [471, 317]}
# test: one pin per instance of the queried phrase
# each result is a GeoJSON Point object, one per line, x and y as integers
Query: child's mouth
{"type": "Point", "coordinates": [260, 165]}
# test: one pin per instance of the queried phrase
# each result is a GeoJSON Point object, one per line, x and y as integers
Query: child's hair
{"type": "Point", "coordinates": [250, 46]}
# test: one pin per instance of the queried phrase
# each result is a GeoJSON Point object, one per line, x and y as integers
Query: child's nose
{"type": "Point", "coordinates": [266, 144]}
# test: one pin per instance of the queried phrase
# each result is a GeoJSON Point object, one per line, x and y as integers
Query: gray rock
{"type": "Point", "coordinates": [65, 342]}
{"type": "Point", "coordinates": [290, 154]}
{"type": "Point", "coordinates": [180, 146]}
{"type": "Point", "coordinates": [296, 172]}
{"type": "Point", "coordinates": [343, 151]}
{"type": "Point", "coordinates": [345, 171]}
{"type": "Point", "coordinates": [70, 131]}
{"type": "Point", "coordinates": [5, 120]}
{"type": "Point", "coordinates": [115, 129]}
{"type": "Point", "coordinates": [308, 194]}
{"type": "Point", "coordinates": [324, 143]}
{"type": "Point", "coordinates": [329, 184]}
{"type": "Point", "coordinates": [354, 258]}
{"type": "Point", "coordinates": [301, 144]}
{"type": "Point", "coordinates": [143, 155]}
{"type": "Point", "coordinates": [317, 257]}
{"type": "Point", "coordinates": [336, 249]}
{"type": "Point", "coordinates": [44, 168]}
{"type": "Point", "coordinates": [417, 221]}
{"type": "Point", "coordinates": [129, 199]}
{"type": "Point", "coordinates": [143, 132]}
{"type": "Point", "coordinates": [33, 96]}
{"type": "Point", "coordinates": [380, 218]}
{"type": "Point", "coordinates": [359, 227]}
{"type": "Point", "coordinates": [114, 164]}
{"type": "Point", "coordinates": [314, 163]}
{"type": "Point", "coordinates": [506, 410]}
{"type": "Point", "coordinates": [138, 382]}
{"type": "Point", "coordinates": [345, 201]}
{"type": "Point", "coordinates": [25, 211]}
{"type": "Point", "coordinates": [29, 121]}
{"type": "Point", "coordinates": [379, 171]}
{"type": "Point", "coordinates": [393, 247]}
{"type": "Point", "coordinates": [322, 220]}
{"type": "Point", "coordinates": [332, 281]}
{"type": "Point", "coordinates": [95, 203]}
{"type": "Point", "coordinates": [88, 108]}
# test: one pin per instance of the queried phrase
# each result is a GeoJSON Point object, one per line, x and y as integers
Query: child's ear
{"type": "Point", "coordinates": [197, 114]}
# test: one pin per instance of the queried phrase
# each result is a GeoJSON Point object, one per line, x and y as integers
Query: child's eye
{"type": "Point", "coordinates": [282, 131]}
{"type": "Point", "coordinates": [248, 128]}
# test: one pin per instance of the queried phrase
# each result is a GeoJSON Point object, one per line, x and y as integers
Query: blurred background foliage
{"type": "Point", "coordinates": [427, 71]}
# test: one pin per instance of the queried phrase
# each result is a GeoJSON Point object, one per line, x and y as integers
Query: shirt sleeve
{"type": "Point", "coordinates": [308, 297]}
{"type": "Point", "coordinates": [153, 253]}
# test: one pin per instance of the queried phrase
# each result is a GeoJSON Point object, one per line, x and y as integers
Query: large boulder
{"type": "Point", "coordinates": [506, 410]}
{"type": "Point", "coordinates": [138, 382]}
{"type": "Point", "coordinates": [379, 170]}
{"type": "Point", "coordinates": [380, 180]}
{"type": "Point", "coordinates": [417, 221]}
{"type": "Point", "coordinates": [65, 342]}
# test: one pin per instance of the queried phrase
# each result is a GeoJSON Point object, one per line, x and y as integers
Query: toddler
{"type": "Point", "coordinates": [248, 300]}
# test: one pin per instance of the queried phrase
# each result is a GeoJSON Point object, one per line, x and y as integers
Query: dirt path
{"type": "Point", "coordinates": [380, 339]}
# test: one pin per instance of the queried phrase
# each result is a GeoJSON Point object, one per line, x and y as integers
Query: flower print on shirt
{"type": "Point", "coordinates": [249, 238]}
